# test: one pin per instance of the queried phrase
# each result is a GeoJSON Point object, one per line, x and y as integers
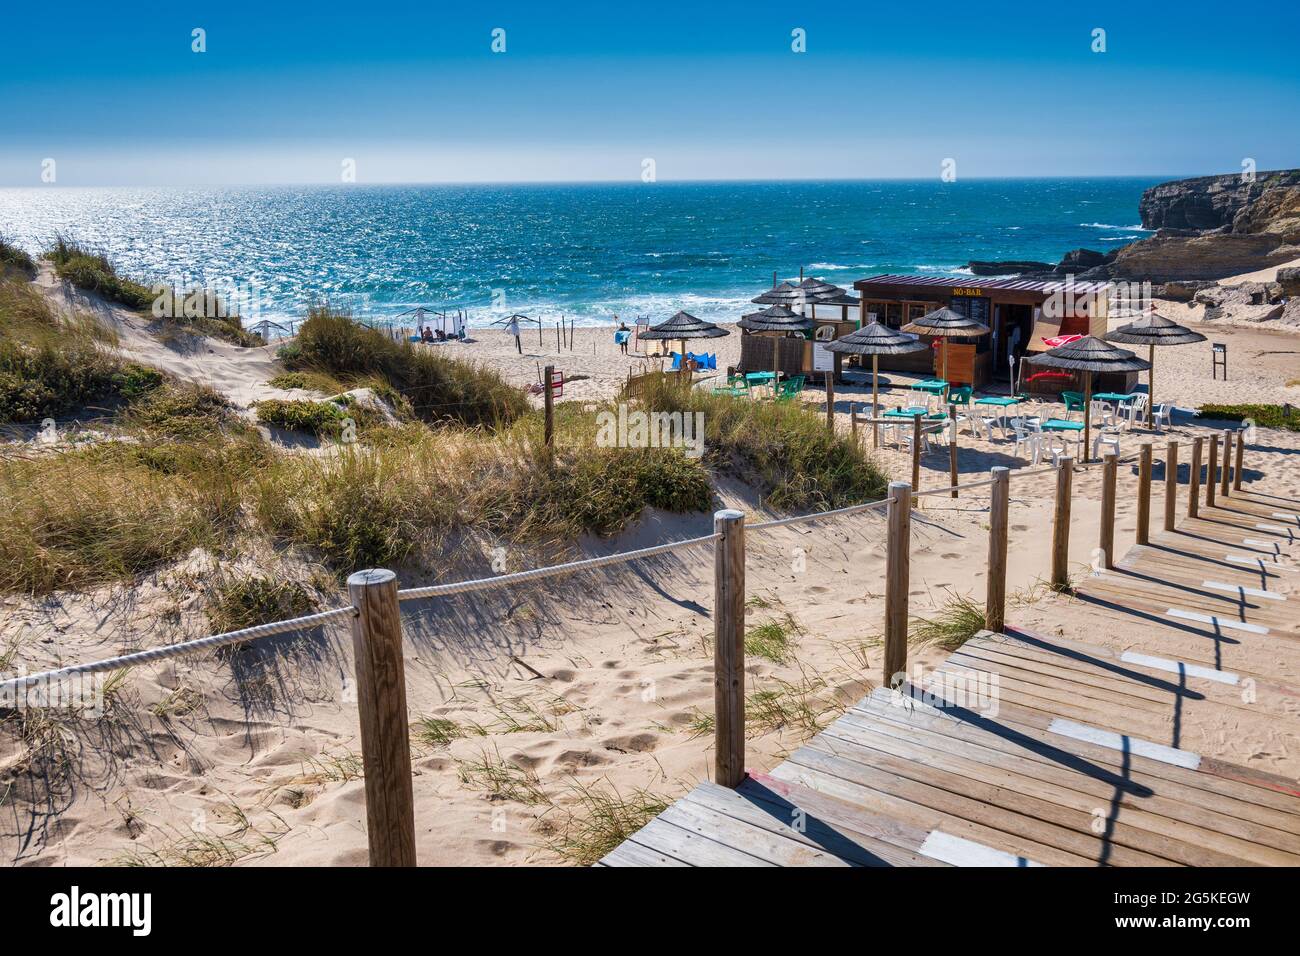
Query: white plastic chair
{"type": "Point", "coordinates": [1103, 410]}
{"type": "Point", "coordinates": [974, 418]}
{"type": "Point", "coordinates": [1135, 410]}
{"type": "Point", "coordinates": [1028, 432]}
{"type": "Point", "coordinates": [1163, 415]}
{"type": "Point", "coordinates": [1107, 436]}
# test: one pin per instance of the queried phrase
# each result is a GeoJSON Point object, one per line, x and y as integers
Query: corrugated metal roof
{"type": "Point", "coordinates": [1012, 285]}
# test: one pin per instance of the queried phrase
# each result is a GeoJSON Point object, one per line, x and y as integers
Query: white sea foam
{"type": "Point", "coordinates": [1108, 225]}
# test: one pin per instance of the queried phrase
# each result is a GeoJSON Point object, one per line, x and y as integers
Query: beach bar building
{"type": "Point", "coordinates": [1021, 314]}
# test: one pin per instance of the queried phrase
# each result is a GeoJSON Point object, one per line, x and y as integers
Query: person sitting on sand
{"type": "Point", "coordinates": [426, 334]}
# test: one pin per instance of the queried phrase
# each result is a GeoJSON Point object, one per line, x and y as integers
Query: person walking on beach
{"type": "Point", "coordinates": [513, 329]}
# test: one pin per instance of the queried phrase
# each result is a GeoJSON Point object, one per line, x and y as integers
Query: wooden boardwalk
{"type": "Point", "coordinates": [1047, 751]}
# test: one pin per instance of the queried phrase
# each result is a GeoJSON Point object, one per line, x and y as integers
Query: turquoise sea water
{"type": "Point", "coordinates": [587, 250]}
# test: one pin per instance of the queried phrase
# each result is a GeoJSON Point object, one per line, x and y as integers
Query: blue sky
{"type": "Point", "coordinates": [412, 92]}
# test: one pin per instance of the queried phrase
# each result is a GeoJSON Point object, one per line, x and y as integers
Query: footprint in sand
{"type": "Point", "coordinates": [632, 743]}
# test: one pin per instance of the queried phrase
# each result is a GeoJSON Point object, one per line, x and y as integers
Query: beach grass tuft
{"type": "Point", "coordinates": [601, 819]}
{"type": "Point", "coordinates": [93, 271]}
{"type": "Point", "coordinates": [955, 623]}
{"type": "Point", "coordinates": [773, 640]}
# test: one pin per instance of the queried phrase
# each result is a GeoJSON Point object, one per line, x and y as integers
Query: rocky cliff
{"type": "Point", "coordinates": [1213, 226]}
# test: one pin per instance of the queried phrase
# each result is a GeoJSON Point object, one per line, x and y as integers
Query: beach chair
{"type": "Point", "coordinates": [1107, 436]}
{"type": "Point", "coordinates": [1134, 411]}
{"type": "Point", "coordinates": [790, 388]}
{"type": "Point", "coordinates": [1073, 403]}
{"type": "Point", "coordinates": [1028, 433]}
{"type": "Point", "coordinates": [1104, 411]}
{"type": "Point", "coordinates": [737, 387]}
{"type": "Point", "coordinates": [1163, 415]}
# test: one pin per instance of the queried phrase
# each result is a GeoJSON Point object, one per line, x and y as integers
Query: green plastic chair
{"type": "Point", "coordinates": [1073, 402]}
{"type": "Point", "coordinates": [789, 388]}
{"type": "Point", "coordinates": [960, 394]}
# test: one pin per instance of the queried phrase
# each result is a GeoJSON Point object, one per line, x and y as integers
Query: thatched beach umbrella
{"type": "Point", "coordinates": [776, 318]}
{"type": "Point", "coordinates": [809, 292]}
{"type": "Point", "coordinates": [947, 324]}
{"type": "Point", "coordinates": [1089, 354]}
{"type": "Point", "coordinates": [1151, 331]}
{"type": "Point", "coordinates": [681, 327]}
{"type": "Point", "coordinates": [876, 340]}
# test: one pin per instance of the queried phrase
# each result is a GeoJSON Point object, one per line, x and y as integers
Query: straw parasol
{"type": "Point", "coordinates": [809, 292]}
{"type": "Point", "coordinates": [1089, 354]}
{"type": "Point", "coordinates": [947, 324]}
{"type": "Point", "coordinates": [681, 327]}
{"type": "Point", "coordinates": [1151, 331]}
{"type": "Point", "coordinates": [776, 318]}
{"type": "Point", "coordinates": [876, 340]}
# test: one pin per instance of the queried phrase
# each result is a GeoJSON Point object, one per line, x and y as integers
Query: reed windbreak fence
{"type": "Point", "coordinates": [374, 613]}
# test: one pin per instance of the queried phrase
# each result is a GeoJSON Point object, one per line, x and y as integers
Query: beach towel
{"type": "Point", "coordinates": [621, 337]}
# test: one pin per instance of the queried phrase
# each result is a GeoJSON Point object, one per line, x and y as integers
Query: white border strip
{"type": "Point", "coordinates": [1217, 621]}
{"type": "Point", "coordinates": [1260, 543]}
{"type": "Point", "coordinates": [1134, 745]}
{"type": "Point", "coordinates": [1260, 563]}
{"type": "Point", "coordinates": [1273, 527]}
{"type": "Point", "coordinates": [1239, 589]}
{"type": "Point", "coordinates": [1179, 667]}
{"type": "Point", "coordinates": [961, 852]}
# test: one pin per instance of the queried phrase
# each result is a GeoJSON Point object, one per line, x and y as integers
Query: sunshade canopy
{"type": "Point", "coordinates": [683, 325]}
{"type": "Point", "coordinates": [776, 318]}
{"type": "Point", "coordinates": [947, 323]}
{"type": "Point", "coordinates": [1154, 329]}
{"type": "Point", "coordinates": [876, 339]}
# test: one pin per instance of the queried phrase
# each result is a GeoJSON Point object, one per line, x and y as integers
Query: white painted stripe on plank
{"type": "Point", "coordinates": [1179, 667]}
{"type": "Point", "coordinates": [1238, 589]}
{"type": "Point", "coordinates": [1259, 543]}
{"type": "Point", "coordinates": [1216, 621]}
{"type": "Point", "coordinates": [1272, 527]}
{"type": "Point", "coordinates": [1286, 516]}
{"type": "Point", "coordinates": [961, 852]}
{"type": "Point", "coordinates": [1134, 745]}
{"type": "Point", "coordinates": [1257, 563]}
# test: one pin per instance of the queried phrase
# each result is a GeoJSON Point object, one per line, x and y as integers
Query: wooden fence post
{"type": "Point", "coordinates": [1194, 480]}
{"type": "Point", "coordinates": [549, 402]}
{"type": "Point", "coordinates": [995, 604]}
{"type": "Point", "coordinates": [729, 648]}
{"type": "Point", "coordinates": [1061, 523]}
{"type": "Point", "coordinates": [830, 402]}
{"type": "Point", "coordinates": [381, 702]}
{"type": "Point", "coordinates": [916, 452]}
{"type": "Point", "coordinates": [1106, 539]}
{"type": "Point", "coordinates": [1171, 483]}
{"type": "Point", "coordinates": [952, 449]}
{"type": "Point", "coordinates": [897, 579]}
{"type": "Point", "coordinates": [1227, 466]}
{"type": "Point", "coordinates": [1144, 494]}
{"type": "Point", "coordinates": [1236, 473]}
{"type": "Point", "coordinates": [1212, 471]}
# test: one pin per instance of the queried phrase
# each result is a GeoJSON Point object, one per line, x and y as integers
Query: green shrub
{"type": "Point", "coordinates": [1264, 416]}
{"type": "Point", "coordinates": [315, 418]}
{"type": "Point", "coordinates": [183, 410]}
{"type": "Point", "coordinates": [438, 387]}
{"type": "Point", "coordinates": [786, 450]}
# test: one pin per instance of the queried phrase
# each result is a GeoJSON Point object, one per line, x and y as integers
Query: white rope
{"type": "Point", "coordinates": [944, 491]}
{"type": "Point", "coordinates": [535, 574]}
{"type": "Point", "coordinates": [851, 509]}
{"type": "Point", "coordinates": [179, 650]}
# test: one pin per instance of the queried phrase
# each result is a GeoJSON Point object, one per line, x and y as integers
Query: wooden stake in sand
{"type": "Point", "coordinates": [995, 604]}
{"type": "Point", "coordinates": [729, 648]}
{"type": "Point", "coordinates": [1106, 537]}
{"type": "Point", "coordinates": [1212, 471]}
{"type": "Point", "coordinates": [897, 575]}
{"type": "Point", "coordinates": [1194, 480]}
{"type": "Point", "coordinates": [1226, 475]}
{"type": "Point", "coordinates": [548, 399]}
{"type": "Point", "coordinates": [1171, 483]}
{"type": "Point", "coordinates": [1061, 523]}
{"type": "Point", "coordinates": [381, 703]}
{"type": "Point", "coordinates": [952, 449]}
{"type": "Point", "coordinates": [1144, 494]}
{"type": "Point", "coordinates": [830, 403]}
{"type": "Point", "coordinates": [1236, 473]}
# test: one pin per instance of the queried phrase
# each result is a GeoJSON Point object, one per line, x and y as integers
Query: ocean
{"type": "Point", "coordinates": [588, 251]}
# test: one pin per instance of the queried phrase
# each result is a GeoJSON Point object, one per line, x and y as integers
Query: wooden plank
{"type": "Point", "coordinates": [631, 853]}
{"type": "Point", "coordinates": [695, 849]}
{"type": "Point", "coordinates": [775, 848]}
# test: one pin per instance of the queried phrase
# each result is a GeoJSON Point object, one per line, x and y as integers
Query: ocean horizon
{"type": "Point", "coordinates": [587, 251]}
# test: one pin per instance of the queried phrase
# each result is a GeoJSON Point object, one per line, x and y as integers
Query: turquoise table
{"type": "Point", "coordinates": [915, 413]}
{"type": "Point", "coordinates": [1062, 425]}
{"type": "Point", "coordinates": [1114, 397]}
{"type": "Point", "coordinates": [1001, 402]}
{"type": "Point", "coordinates": [931, 387]}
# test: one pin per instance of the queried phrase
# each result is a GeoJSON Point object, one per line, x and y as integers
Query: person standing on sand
{"type": "Point", "coordinates": [622, 335]}
{"type": "Point", "coordinates": [513, 329]}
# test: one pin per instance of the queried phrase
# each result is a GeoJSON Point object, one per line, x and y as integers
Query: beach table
{"type": "Point", "coordinates": [1065, 425]}
{"type": "Point", "coordinates": [931, 387]}
{"type": "Point", "coordinates": [762, 379]}
{"type": "Point", "coordinates": [1001, 403]}
{"type": "Point", "coordinates": [916, 411]}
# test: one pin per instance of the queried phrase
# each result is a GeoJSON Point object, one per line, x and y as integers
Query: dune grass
{"type": "Point", "coordinates": [772, 640]}
{"type": "Point", "coordinates": [956, 622]}
{"type": "Point", "coordinates": [781, 447]}
{"type": "Point", "coordinates": [239, 601]}
{"type": "Point", "coordinates": [439, 388]}
{"type": "Point", "coordinates": [1264, 416]}
{"type": "Point", "coordinates": [324, 419]}
{"type": "Point", "coordinates": [601, 819]}
{"type": "Point", "coordinates": [15, 257]}
{"type": "Point", "coordinates": [92, 271]}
